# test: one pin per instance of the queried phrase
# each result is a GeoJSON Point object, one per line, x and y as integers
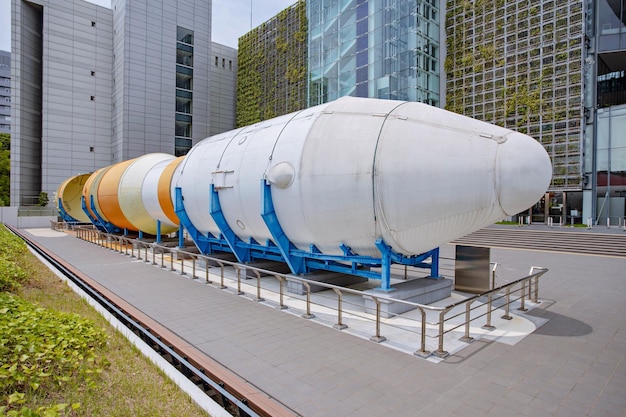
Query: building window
{"type": "Point", "coordinates": [184, 90]}
{"type": "Point", "coordinates": [230, 65]}
{"type": "Point", "coordinates": [93, 73]}
{"type": "Point", "coordinates": [93, 98]}
{"type": "Point", "coordinates": [93, 23]}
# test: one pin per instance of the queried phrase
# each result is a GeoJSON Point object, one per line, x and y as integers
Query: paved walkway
{"type": "Point", "coordinates": [574, 365]}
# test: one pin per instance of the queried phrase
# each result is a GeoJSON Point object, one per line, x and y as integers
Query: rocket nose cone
{"type": "Point", "coordinates": [523, 172]}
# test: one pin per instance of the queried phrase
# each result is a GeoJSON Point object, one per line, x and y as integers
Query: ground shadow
{"type": "Point", "coordinates": [558, 324]}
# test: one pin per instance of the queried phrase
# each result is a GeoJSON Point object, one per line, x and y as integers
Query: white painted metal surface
{"type": "Point", "coordinates": [356, 170]}
{"type": "Point", "coordinates": [150, 195]}
{"type": "Point", "coordinates": [130, 195]}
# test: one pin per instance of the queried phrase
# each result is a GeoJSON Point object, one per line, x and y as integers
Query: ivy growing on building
{"type": "Point", "coordinates": [271, 77]}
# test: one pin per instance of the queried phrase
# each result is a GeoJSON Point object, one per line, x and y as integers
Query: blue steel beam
{"type": "Point", "coordinates": [206, 244]}
{"type": "Point", "coordinates": [241, 251]}
{"type": "Point", "coordinates": [66, 217]}
{"type": "Point", "coordinates": [301, 261]}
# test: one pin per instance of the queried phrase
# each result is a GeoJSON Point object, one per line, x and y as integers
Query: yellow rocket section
{"type": "Point", "coordinates": [69, 194]}
{"type": "Point", "coordinates": [108, 196]}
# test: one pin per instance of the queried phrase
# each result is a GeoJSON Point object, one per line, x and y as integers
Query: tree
{"type": "Point", "coordinates": [5, 168]}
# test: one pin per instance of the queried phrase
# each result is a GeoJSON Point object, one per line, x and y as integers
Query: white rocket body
{"type": "Point", "coordinates": [356, 170]}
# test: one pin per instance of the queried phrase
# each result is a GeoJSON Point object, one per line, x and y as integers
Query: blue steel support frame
{"type": "Point", "coordinates": [158, 230]}
{"type": "Point", "coordinates": [241, 251]}
{"type": "Point", "coordinates": [287, 249]}
{"type": "Point", "coordinates": [302, 262]}
{"type": "Point", "coordinates": [97, 221]}
{"type": "Point", "coordinates": [206, 244]}
{"type": "Point", "coordinates": [283, 250]}
{"type": "Point", "coordinates": [66, 217]}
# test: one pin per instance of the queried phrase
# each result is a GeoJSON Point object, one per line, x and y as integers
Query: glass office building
{"type": "Point", "coordinates": [378, 48]}
{"type": "Point", "coordinates": [605, 104]}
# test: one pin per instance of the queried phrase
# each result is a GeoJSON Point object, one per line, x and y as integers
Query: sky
{"type": "Point", "coordinates": [231, 18]}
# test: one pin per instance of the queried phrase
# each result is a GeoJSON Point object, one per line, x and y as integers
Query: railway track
{"type": "Point", "coordinates": [551, 241]}
{"type": "Point", "coordinates": [237, 396]}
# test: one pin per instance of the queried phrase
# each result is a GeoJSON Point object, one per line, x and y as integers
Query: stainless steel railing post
{"type": "Point", "coordinates": [377, 337]}
{"type": "Point", "coordinates": [507, 316]}
{"type": "Point", "coordinates": [339, 325]}
{"type": "Point", "coordinates": [238, 269]}
{"type": "Point", "coordinates": [423, 353]}
{"type": "Point", "coordinates": [488, 325]}
{"type": "Point", "coordinates": [258, 286]}
{"type": "Point", "coordinates": [206, 271]}
{"type": "Point", "coordinates": [440, 352]}
{"type": "Point", "coordinates": [467, 338]}
{"type": "Point", "coordinates": [222, 286]}
{"type": "Point", "coordinates": [523, 297]}
{"type": "Point", "coordinates": [308, 314]}
{"type": "Point", "coordinates": [281, 280]}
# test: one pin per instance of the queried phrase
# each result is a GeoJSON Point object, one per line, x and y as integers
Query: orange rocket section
{"type": "Point", "coordinates": [164, 192]}
{"type": "Point", "coordinates": [108, 196]}
{"type": "Point", "coordinates": [90, 191]}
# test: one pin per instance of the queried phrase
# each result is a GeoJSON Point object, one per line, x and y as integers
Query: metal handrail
{"type": "Point", "coordinates": [532, 280]}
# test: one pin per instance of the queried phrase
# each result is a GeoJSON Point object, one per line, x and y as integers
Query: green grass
{"type": "Point", "coordinates": [59, 357]}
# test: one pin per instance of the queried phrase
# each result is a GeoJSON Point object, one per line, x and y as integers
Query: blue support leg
{"type": "Point", "coordinates": [434, 264]}
{"type": "Point", "coordinates": [385, 275]}
{"type": "Point", "coordinates": [242, 252]}
{"type": "Point", "coordinates": [158, 230]}
{"type": "Point", "coordinates": [287, 249]}
{"type": "Point", "coordinates": [181, 236]}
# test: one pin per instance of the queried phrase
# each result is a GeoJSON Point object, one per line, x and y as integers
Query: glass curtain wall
{"type": "Point", "coordinates": [385, 49]}
{"type": "Point", "coordinates": [184, 90]}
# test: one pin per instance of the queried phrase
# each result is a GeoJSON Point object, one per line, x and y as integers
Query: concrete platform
{"type": "Point", "coordinates": [572, 365]}
{"type": "Point", "coordinates": [421, 291]}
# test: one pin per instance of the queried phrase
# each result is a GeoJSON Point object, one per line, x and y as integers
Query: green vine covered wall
{"type": "Point", "coordinates": [271, 77]}
{"type": "Point", "coordinates": [519, 64]}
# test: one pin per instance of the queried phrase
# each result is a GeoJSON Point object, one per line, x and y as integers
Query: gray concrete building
{"type": "Point", "coordinates": [223, 75]}
{"type": "Point", "coordinates": [5, 92]}
{"type": "Point", "coordinates": [94, 86]}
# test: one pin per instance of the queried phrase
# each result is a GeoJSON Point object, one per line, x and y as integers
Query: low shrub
{"type": "Point", "coordinates": [41, 349]}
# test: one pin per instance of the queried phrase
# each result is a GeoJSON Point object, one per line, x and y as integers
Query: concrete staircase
{"type": "Point", "coordinates": [583, 242]}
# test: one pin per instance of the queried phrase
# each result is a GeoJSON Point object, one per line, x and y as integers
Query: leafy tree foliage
{"type": "Point", "coordinates": [5, 168]}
